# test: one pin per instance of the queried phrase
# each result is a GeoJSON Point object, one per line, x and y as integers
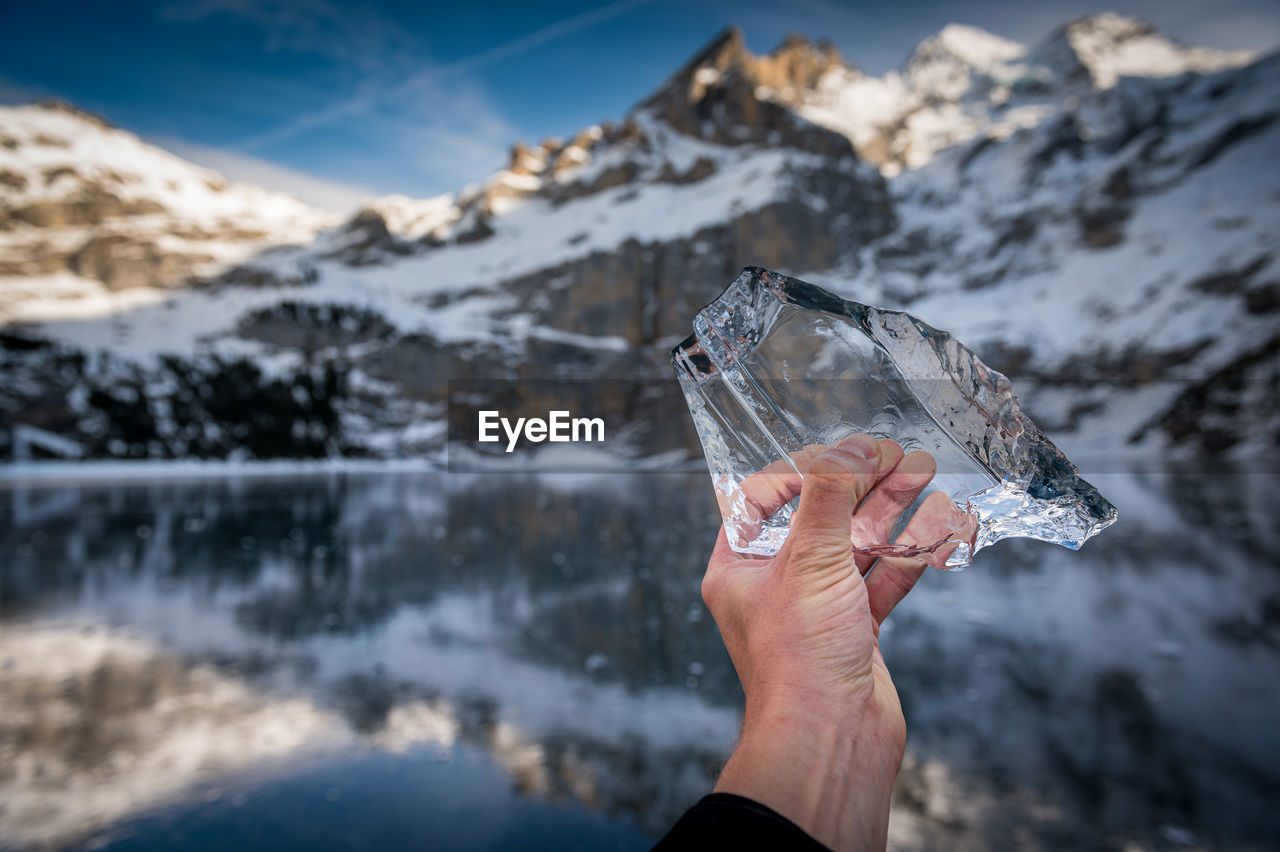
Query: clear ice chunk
{"type": "Point", "coordinates": [775, 365]}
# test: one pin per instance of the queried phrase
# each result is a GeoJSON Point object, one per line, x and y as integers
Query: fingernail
{"type": "Point", "coordinates": [862, 446]}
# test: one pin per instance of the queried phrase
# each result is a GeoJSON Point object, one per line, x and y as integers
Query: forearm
{"type": "Point", "coordinates": [833, 778]}
{"type": "Point", "coordinates": [823, 733]}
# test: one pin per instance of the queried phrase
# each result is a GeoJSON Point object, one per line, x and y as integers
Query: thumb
{"type": "Point", "coordinates": [834, 485]}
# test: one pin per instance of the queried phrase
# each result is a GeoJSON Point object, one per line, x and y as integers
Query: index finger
{"type": "Point", "coordinates": [758, 498]}
{"type": "Point", "coordinates": [775, 486]}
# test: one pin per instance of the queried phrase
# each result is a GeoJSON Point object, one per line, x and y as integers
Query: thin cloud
{"type": "Point", "coordinates": [318, 192]}
{"type": "Point", "coordinates": [355, 36]}
{"type": "Point", "coordinates": [444, 134]}
{"type": "Point", "coordinates": [370, 96]}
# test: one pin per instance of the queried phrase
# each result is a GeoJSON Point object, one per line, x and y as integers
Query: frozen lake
{"type": "Point", "coordinates": [422, 660]}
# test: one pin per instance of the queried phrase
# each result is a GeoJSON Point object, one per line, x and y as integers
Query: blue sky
{"type": "Point", "coordinates": [334, 100]}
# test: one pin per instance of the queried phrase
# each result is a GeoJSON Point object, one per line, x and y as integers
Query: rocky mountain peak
{"type": "Point", "coordinates": [1096, 51]}
{"type": "Point", "coordinates": [730, 96]}
{"type": "Point", "coordinates": [724, 95]}
{"type": "Point", "coordinates": [725, 50]}
{"type": "Point", "coordinates": [945, 66]}
{"type": "Point", "coordinates": [971, 45]}
{"type": "Point", "coordinates": [60, 106]}
{"type": "Point", "coordinates": [552, 156]}
{"type": "Point", "coordinates": [794, 67]}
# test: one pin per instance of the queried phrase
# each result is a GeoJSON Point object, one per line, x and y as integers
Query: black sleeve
{"type": "Point", "coordinates": [726, 821]}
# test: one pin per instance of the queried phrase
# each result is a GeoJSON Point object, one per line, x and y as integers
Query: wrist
{"type": "Point", "coordinates": [831, 773]}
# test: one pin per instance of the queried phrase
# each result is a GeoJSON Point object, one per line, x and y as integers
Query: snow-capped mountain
{"type": "Point", "coordinates": [965, 82]}
{"type": "Point", "coordinates": [88, 210]}
{"type": "Point", "coordinates": [1096, 215]}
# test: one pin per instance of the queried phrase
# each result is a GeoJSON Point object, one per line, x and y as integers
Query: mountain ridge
{"type": "Point", "coordinates": [989, 186]}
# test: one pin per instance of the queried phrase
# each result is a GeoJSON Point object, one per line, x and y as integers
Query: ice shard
{"type": "Point", "coordinates": [775, 365]}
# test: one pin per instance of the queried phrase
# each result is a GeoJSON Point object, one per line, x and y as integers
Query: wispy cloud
{"type": "Point", "coordinates": [437, 119]}
{"type": "Point", "coordinates": [445, 134]}
{"type": "Point", "coordinates": [427, 79]}
{"type": "Point", "coordinates": [351, 35]}
{"type": "Point", "coordinates": [318, 192]}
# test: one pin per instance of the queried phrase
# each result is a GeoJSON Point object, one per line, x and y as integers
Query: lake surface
{"type": "Point", "coordinates": [407, 661]}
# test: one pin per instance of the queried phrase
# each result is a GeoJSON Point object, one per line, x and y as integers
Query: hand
{"type": "Point", "coordinates": [823, 732]}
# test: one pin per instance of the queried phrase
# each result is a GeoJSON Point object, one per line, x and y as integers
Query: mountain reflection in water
{"type": "Point", "coordinates": [387, 660]}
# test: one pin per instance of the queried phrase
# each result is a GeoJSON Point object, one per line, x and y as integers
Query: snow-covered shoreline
{"type": "Point", "coordinates": [109, 469]}
{"type": "Point", "coordinates": [55, 471]}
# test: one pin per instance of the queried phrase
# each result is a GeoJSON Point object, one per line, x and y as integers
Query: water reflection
{"type": "Point", "coordinates": [175, 654]}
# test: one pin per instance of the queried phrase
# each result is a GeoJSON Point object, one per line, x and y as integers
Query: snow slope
{"type": "Point", "coordinates": [56, 150]}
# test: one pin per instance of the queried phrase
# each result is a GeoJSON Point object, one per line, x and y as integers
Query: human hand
{"type": "Point", "coordinates": [823, 733]}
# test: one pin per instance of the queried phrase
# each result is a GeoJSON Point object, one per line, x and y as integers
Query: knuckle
{"type": "Point", "coordinates": [864, 532]}
{"type": "Point", "coordinates": [905, 484]}
{"type": "Point", "coordinates": [836, 463]}
{"type": "Point", "coordinates": [900, 577]}
{"type": "Point", "coordinates": [903, 579]}
{"type": "Point", "coordinates": [937, 507]}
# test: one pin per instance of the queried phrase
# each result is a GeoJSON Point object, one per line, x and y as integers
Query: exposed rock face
{"type": "Point", "coordinates": [1238, 405]}
{"type": "Point", "coordinates": [647, 291]}
{"type": "Point", "coordinates": [92, 205]}
{"type": "Point", "coordinates": [366, 239]}
{"type": "Point", "coordinates": [121, 262]}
